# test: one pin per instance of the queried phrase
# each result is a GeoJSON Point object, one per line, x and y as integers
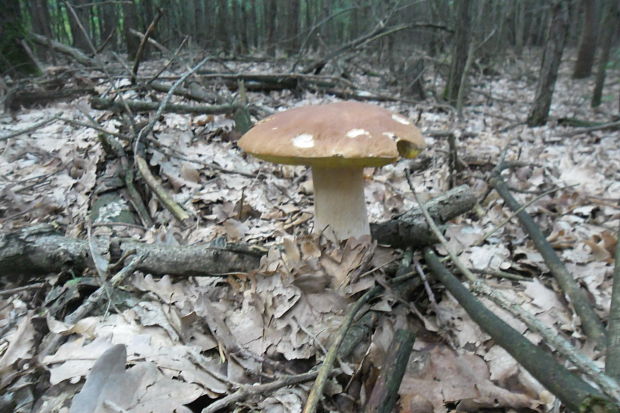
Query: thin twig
{"type": "Point", "coordinates": [317, 388]}
{"type": "Point", "coordinates": [142, 46]}
{"type": "Point", "coordinates": [551, 336]}
{"type": "Point", "coordinates": [90, 304]}
{"type": "Point", "coordinates": [149, 127]}
{"type": "Point", "coordinates": [515, 213]}
{"type": "Point", "coordinates": [591, 323]}
{"type": "Point", "coordinates": [248, 390]}
{"type": "Point", "coordinates": [31, 128]}
{"type": "Point", "coordinates": [170, 204]}
{"type": "Point", "coordinates": [16, 290]}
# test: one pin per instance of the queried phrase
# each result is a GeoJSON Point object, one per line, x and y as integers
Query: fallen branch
{"type": "Point", "coordinates": [42, 250]}
{"type": "Point", "coordinates": [31, 128]}
{"type": "Point", "coordinates": [189, 93]}
{"type": "Point", "coordinates": [175, 209]}
{"type": "Point", "coordinates": [412, 230]}
{"type": "Point", "coordinates": [576, 394]}
{"type": "Point", "coordinates": [385, 392]}
{"type": "Point", "coordinates": [552, 338]}
{"type": "Point", "coordinates": [51, 346]}
{"type": "Point", "coordinates": [141, 106]}
{"type": "Point", "coordinates": [259, 389]}
{"type": "Point", "coordinates": [590, 321]}
{"type": "Point", "coordinates": [316, 391]}
{"type": "Point", "coordinates": [610, 125]}
{"type": "Point", "coordinates": [75, 54]}
{"type": "Point", "coordinates": [379, 31]}
{"type": "Point", "coordinates": [142, 46]}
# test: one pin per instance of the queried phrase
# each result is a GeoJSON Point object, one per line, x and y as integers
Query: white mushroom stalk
{"type": "Point", "coordinates": [339, 205]}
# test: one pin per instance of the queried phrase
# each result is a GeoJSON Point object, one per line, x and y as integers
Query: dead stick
{"type": "Point", "coordinates": [31, 128]}
{"type": "Point", "coordinates": [551, 336]}
{"type": "Point", "coordinates": [570, 389]}
{"type": "Point", "coordinates": [175, 209]}
{"type": "Point", "coordinates": [90, 304]}
{"type": "Point", "coordinates": [141, 106]}
{"type": "Point", "coordinates": [411, 229]}
{"type": "Point", "coordinates": [385, 392]}
{"type": "Point", "coordinates": [248, 390]}
{"type": "Point", "coordinates": [142, 46]}
{"type": "Point", "coordinates": [317, 388]}
{"type": "Point", "coordinates": [591, 323]}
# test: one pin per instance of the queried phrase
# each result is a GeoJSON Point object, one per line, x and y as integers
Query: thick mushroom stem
{"type": "Point", "coordinates": [339, 205]}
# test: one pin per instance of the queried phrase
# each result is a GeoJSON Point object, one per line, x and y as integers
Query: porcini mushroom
{"type": "Point", "coordinates": [337, 140]}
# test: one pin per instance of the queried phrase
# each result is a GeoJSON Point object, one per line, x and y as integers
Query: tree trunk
{"type": "Point", "coordinates": [13, 57]}
{"type": "Point", "coordinates": [239, 28]}
{"type": "Point", "coordinates": [519, 27]}
{"type": "Point", "coordinates": [587, 41]}
{"type": "Point", "coordinates": [460, 50]}
{"type": "Point", "coordinates": [270, 23]}
{"type": "Point", "coordinates": [610, 25]}
{"type": "Point", "coordinates": [81, 17]}
{"type": "Point", "coordinates": [40, 15]}
{"type": "Point", "coordinates": [188, 19]}
{"type": "Point", "coordinates": [552, 56]}
{"type": "Point", "coordinates": [292, 27]}
{"type": "Point", "coordinates": [130, 21]}
{"type": "Point", "coordinates": [109, 25]}
{"type": "Point", "coordinates": [225, 35]}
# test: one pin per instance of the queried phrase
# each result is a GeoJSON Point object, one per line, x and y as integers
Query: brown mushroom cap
{"type": "Point", "coordinates": [337, 134]}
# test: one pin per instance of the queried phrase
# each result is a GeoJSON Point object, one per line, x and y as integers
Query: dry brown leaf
{"type": "Point", "coordinates": [447, 377]}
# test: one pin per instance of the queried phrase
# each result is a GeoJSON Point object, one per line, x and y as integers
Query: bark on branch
{"type": "Point", "coordinates": [141, 106]}
{"type": "Point", "coordinates": [412, 230]}
{"type": "Point", "coordinates": [41, 249]}
{"type": "Point", "coordinates": [575, 393]}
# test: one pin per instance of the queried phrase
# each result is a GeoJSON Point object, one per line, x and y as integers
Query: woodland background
{"type": "Point", "coordinates": [148, 265]}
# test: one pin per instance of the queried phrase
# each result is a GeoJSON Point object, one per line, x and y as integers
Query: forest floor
{"type": "Point", "coordinates": [197, 339]}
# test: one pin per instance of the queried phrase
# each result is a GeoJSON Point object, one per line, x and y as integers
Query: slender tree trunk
{"type": "Point", "coordinates": [519, 26]}
{"type": "Point", "coordinates": [188, 19]}
{"type": "Point", "coordinates": [13, 57]}
{"type": "Point", "coordinates": [201, 23]}
{"type": "Point", "coordinates": [240, 29]}
{"type": "Point", "coordinates": [130, 21]}
{"type": "Point", "coordinates": [40, 17]}
{"type": "Point", "coordinates": [270, 23]}
{"type": "Point", "coordinates": [292, 27]}
{"type": "Point", "coordinates": [460, 49]}
{"type": "Point", "coordinates": [109, 25]}
{"type": "Point", "coordinates": [80, 39]}
{"type": "Point", "coordinates": [552, 56]}
{"type": "Point", "coordinates": [587, 41]}
{"type": "Point", "coordinates": [610, 25]}
{"type": "Point", "coordinates": [226, 33]}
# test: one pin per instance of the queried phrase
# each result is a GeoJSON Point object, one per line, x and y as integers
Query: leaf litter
{"type": "Point", "coordinates": [176, 340]}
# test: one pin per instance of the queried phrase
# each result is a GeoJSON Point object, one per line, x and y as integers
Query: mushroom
{"type": "Point", "coordinates": [337, 140]}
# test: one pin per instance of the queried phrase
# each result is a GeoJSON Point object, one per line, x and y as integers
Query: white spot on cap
{"type": "Point", "coordinates": [305, 140]}
{"type": "Point", "coordinates": [275, 128]}
{"type": "Point", "coordinates": [354, 133]}
{"type": "Point", "coordinates": [390, 135]}
{"type": "Point", "coordinates": [400, 119]}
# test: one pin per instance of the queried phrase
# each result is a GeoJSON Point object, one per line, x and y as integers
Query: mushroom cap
{"type": "Point", "coordinates": [340, 134]}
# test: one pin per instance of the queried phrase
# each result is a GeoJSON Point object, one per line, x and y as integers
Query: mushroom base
{"type": "Point", "coordinates": [339, 205]}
